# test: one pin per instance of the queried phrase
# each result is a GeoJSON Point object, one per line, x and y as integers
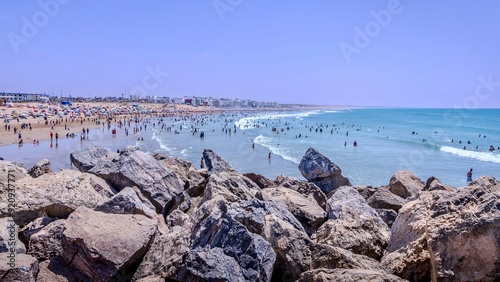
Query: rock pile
{"type": "Point", "coordinates": [137, 217]}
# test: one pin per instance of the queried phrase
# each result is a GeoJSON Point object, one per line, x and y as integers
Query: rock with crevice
{"type": "Point", "coordinates": [320, 170]}
{"type": "Point", "coordinates": [296, 253]}
{"type": "Point", "coordinates": [211, 245]}
{"type": "Point", "coordinates": [260, 180]}
{"type": "Point", "coordinates": [434, 184]}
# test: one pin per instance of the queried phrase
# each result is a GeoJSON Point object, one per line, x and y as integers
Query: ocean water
{"type": "Point", "coordinates": [429, 142]}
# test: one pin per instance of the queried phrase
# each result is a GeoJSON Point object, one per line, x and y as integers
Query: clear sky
{"type": "Point", "coordinates": [367, 53]}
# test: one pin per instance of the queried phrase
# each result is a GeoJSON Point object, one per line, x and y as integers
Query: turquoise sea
{"type": "Point", "coordinates": [429, 142]}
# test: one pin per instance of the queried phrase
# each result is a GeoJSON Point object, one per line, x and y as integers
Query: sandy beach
{"type": "Point", "coordinates": [41, 119]}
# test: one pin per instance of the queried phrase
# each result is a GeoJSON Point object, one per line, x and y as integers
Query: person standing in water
{"type": "Point", "coordinates": [269, 156]}
{"type": "Point", "coordinates": [469, 175]}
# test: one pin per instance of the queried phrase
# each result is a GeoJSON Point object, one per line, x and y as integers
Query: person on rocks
{"type": "Point", "coordinates": [469, 175]}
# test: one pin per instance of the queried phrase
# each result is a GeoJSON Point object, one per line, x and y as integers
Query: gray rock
{"type": "Point", "coordinates": [306, 189]}
{"type": "Point", "coordinates": [486, 182]}
{"type": "Point", "coordinates": [87, 159]}
{"type": "Point", "coordinates": [47, 243]}
{"type": "Point", "coordinates": [127, 201]}
{"type": "Point", "coordinates": [252, 214]}
{"type": "Point", "coordinates": [216, 164]}
{"type": "Point", "coordinates": [383, 198]}
{"type": "Point", "coordinates": [347, 275]}
{"type": "Point", "coordinates": [211, 246]}
{"type": "Point", "coordinates": [405, 183]}
{"type": "Point", "coordinates": [296, 253]}
{"type": "Point", "coordinates": [41, 168]}
{"type": "Point", "coordinates": [308, 212]}
{"type": "Point", "coordinates": [321, 171]}
{"type": "Point", "coordinates": [353, 225]}
{"type": "Point", "coordinates": [54, 195]}
{"type": "Point", "coordinates": [23, 269]}
{"type": "Point", "coordinates": [133, 167]}
{"type": "Point", "coordinates": [231, 186]}
{"type": "Point", "coordinates": [9, 240]}
{"type": "Point", "coordinates": [193, 180]}
{"type": "Point", "coordinates": [103, 245]}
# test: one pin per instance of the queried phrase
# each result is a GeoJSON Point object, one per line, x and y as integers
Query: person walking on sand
{"type": "Point", "coordinates": [469, 175]}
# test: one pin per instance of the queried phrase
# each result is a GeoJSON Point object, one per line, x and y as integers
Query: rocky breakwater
{"type": "Point", "coordinates": [139, 217]}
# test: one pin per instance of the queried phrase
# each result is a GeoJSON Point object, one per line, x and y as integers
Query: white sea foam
{"type": "Point", "coordinates": [250, 122]}
{"type": "Point", "coordinates": [482, 156]}
{"type": "Point", "coordinates": [272, 145]}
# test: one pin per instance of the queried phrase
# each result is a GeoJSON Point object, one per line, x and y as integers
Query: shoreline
{"type": "Point", "coordinates": [74, 122]}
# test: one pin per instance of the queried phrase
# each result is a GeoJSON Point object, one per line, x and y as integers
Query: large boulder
{"type": "Point", "coordinates": [132, 167]}
{"type": "Point", "coordinates": [383, 198]}
{"type": "Point", "coordinates": [48, 242]}
{"type": "Point", "coordinates": [347, 275]}
{"type": "Point", "coordinates": [252, 214]}
{"type": "Point", "coordinates": [447, 236]}
{"type": "Point", "coordinates": [22, 268]}
{"type": "Point", "coordinates": [231, 186]}
{"type": "Point", "coordinates": [307, 189]}
{"type": "Point", "coordinates": [215, 163]}
{"type": "Point", "coordinates": [87, 159]}
{"type": "Point", "coordinates": [318, 169]}
{"type": "Point", "coordinates": [55, 195]}
{"type": "Point", "coordinates": [102, 245]}
{"type": "Point", "coordinates": [405, 183]}
{"type": "Point", "coordinates": [353, 225]}
{"type": "Point", "coordinates": [308, 212]}
{"type": "Point", "coordinates": [211, 246]}
{"type": "Point", "coordinates": [41, 168]}
{"type": "Point", "coordinates": [296, 253]}
{"type": "Point", "coordinates": [193, 180]}
{"type": "Point", "coordinates": [127, 201]}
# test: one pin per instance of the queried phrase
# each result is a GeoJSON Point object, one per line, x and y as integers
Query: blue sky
{"type": "Point", "coordinates": [413, 54]}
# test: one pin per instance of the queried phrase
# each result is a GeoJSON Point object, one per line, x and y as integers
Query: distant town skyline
{"type": "Point", "coordinates": [392, 53]}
